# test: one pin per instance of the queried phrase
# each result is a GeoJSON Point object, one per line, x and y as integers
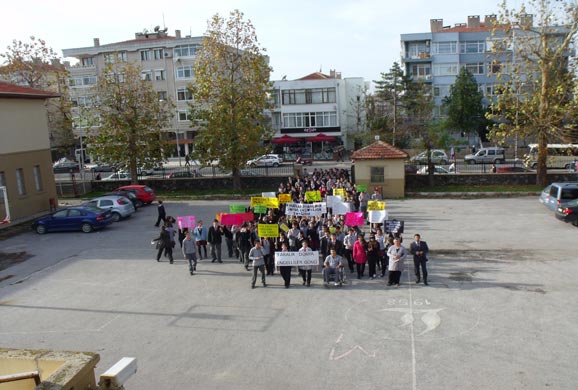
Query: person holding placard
{"type": "Point", "coordinates": [284, 269]}
{"type": "Point", "coordinates": [305, 270]}
{"type": "Point", "coordinates": [257, 255]}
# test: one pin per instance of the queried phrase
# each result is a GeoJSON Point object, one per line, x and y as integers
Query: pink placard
{"type": "Point", "coordinates": [187, 221]}
{"type": "Point", "coordinates": [248, 217]}
{"type": "Point", "coordinates": [354, 219]}
{"type": "Point", "coordinates": [232, 219]}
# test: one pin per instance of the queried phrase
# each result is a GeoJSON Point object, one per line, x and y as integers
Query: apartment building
{"type": "Point", "coordinates": [165, 60]}
{"type": "Point", "coordinates": [436, 57]}
{"type": "Point", "coordinates": [319, 103]}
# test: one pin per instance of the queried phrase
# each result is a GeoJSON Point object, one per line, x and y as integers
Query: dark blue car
{"type": "Point", "coordinates": [86, 219]}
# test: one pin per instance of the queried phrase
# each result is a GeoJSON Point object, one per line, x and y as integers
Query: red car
{"type": "Point", "coordinates": [144, 193]}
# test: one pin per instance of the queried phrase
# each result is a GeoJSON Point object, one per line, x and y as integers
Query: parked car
{"type": "Point", "coordinates": [438, 156]}
{"type": "Point", "coordinates": [437, 170]}
{"type": "Point", "coordinates": [136, 202]}
{"type": "Point", "coordinates": [568, 212]}
{"type": "Point", "coordinates": [412, 169]}
{"type": "Point", "coordinates": [266, 160]}
{"type": "Point", "coordinates": [486, 155]}
{"type": "Point", "coordinates": [144, 193]}
{"type": "Point", "coordinates": [118, 176]}
{"type": "Point", "coordinates": [97, 168]}
{"type": "Point", "coordinates": [119, 206]}
{"type": "Point", "coordinates": [65, 167]}
{"type": "Point", "coordinates": [513, 170]}
{"type": "Point", "coordinates": [86, 219]}
{"type": "Point", "coordinates": [174, 175]}
{"type": "Point", "coordinates": [559, 194]}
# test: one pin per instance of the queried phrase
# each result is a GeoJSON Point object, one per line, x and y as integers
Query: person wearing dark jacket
{"type": "Point", "coordinates": [161, 213]}
{"type": "Point", "coordinates": [419, 250]}
{"type": "Point", "coordinates": [164, 243]}
{"type": "Point", "coordinates": [215, 238]}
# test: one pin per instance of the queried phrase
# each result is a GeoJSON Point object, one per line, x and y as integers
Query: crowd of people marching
{"type": "Point", "coordinates": [373, 253]}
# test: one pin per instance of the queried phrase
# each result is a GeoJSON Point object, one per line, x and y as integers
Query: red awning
{"type": "Point", "coordinates": [322, 138]}
{"type": "Point", "coordinates": [286, 139]}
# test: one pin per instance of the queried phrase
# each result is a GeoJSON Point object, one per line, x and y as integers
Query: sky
{"type": "Point", "coordinates": [357, 38]}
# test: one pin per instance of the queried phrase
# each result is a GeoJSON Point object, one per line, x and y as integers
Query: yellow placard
{"type": "Point", "coordinates": [284, 198]}
{"type": "Point", "coordinates": [272, 203]}
{"type": "Point", "coordinates": [332, 229]}
{"type": "Point", "coordinates": [268, 230]}
{"type": "Point", "coordinates": [312, 196]}
{"type": "Point", "coordinates": [284, 227]}
{"type": "Point", "coordinates": [340, 192]}
{"type": "Point", "coordinates": [375, 205]}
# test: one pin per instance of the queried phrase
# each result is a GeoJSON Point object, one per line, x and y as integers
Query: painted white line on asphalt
{"type": "Point", "coordinates": [412, 333]}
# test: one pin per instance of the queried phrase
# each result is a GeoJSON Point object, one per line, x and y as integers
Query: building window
{"type": "Point", "coordinates": [145, 55]}
{"type": "Point", "coordinates": [87, 61]}
{"type": "Point", "coordinates": [475, 68]}
{"type": "Point", "coordinates": [377, 174]}
{"type": "Point", "coordinates": [158, 54]}
{"type": "Point", "coordinates": [81, 101]}
{"type": "Point", "coordinates": [120, 56]}
{"type": "Point", "coordinates": [82, 81]}
{"type": "Point", "coordinates": [20, 181]}
{"type": "Point", "coordinates": [494, 67]}
{"type": "Point", "coordinates": [162, 95]}
{"type": "Point", "coordinates": [183, 95]}
{"type": "Point", "coordinates": [472, 47]}
{"type": "Point", "coordinates": [445, 47]}
{"type": "Point", "coordinates": [146, 75]}
{"type": "Point", "coordinates": [186, 50]}
{"type": "Point", "coordinates": [417, 50]}
{"type": "Point", "coordinates": [184, 72]}
{"type": "Point", "coordinates": [310, 119]}
{"type": "Point", "coordinates": [450, 69]}
{"type": "Point", "coordinates": [160, 75]}
{"type": "Point", "coordinates": [441, 90]}
{"type": "Point", "coordinates": [37, 178]}
{"type": "Point", "coordinates": [421, 71]}
{"type": "Point", "coordinates": [184, 115]}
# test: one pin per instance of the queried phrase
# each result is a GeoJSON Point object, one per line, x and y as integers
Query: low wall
{"type": "Point", "coordinates": [416, 182]}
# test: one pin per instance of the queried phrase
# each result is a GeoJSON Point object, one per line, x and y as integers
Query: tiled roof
{"type": "Point", "coordinates": [465, 28]}
{"type": "Point", "coordinates": [8, 90]}
{"type": "Point", "coordinates": [379, 150]}
{"type": "Point", "coordinates": [140, 40]}
{"type": "Point", "coordinates": [315, 76]}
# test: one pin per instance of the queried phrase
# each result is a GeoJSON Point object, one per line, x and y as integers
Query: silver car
{"type": "Point", "coordinates": [120, 206]}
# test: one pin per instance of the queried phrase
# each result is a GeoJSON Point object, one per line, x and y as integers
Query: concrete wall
{"type": "Point", "coordinates": [420, 182]}
{"type": "Point", "coordinates": [24, 125]}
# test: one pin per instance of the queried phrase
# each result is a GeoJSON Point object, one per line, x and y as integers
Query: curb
{"type": "Point", "coordinates": [469, 195]}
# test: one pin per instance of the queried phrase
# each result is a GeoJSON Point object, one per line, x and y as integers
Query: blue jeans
{"type": "Point", "coordinates": [192, 258]}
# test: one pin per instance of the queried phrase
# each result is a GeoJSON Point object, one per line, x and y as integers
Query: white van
{"type": "Point", "coordinates": [487, 155]}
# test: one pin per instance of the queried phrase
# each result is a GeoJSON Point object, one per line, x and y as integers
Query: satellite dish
{"type": "Point", "coordinates": [157, 28]}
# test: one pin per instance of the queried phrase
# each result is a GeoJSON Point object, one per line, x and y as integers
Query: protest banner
{"type": "Point", "coordinates": [331, 199]}
{"type": "Point", "coordinates": [284, 227]}
{"type": "Point", "coordinates": [376, 216]}
{"type": "Point", "coordinates": [341, 208]}
{"type": "Point", "coordinates": [305, 209]}
{"type": "Point", "coordinates": [394, 226]}
{"type": "Point", "coordinates": [236, 208]}
{"type": "Point", "coordinates": [272, 203]}
{"type": "Point", "coordinates": [187, 221]}
{"type": "Point", "coordinates": [260, 209]}
{"type": "Point", "coordinates": [284, 198]}
{"type": "Point", "coordinates": [267, 230]}
{"type": "Point", "coordinates": [232, 219]}
{"type": "Point", "coordinates": [268, 195]}
{"type": "Point", "coordinates": [375, 205]}
{"type": "Point", "coordinates": [361, 187]}
{"type": "Point", "coordinates": [312, 196]}
{"type": "Point", "coordinates": [354, 219]}
{"type": "Point", "coordinates": [296, 258]}
{"type": "Point", "coordinates": [339, 192]}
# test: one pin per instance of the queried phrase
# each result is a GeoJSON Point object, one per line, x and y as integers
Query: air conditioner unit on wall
{"type": "Point", "coordinates": [168, 55]}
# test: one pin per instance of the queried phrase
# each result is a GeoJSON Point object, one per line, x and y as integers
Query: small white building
{"type": "Point", "coordinates": [319, 104]}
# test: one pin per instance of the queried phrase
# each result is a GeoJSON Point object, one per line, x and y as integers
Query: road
{"type": "Point", "coordinates": [499, 312]}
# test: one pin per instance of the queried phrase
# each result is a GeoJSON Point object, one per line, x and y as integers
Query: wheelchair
{"type": "Point", "coordinates": [337, 278]}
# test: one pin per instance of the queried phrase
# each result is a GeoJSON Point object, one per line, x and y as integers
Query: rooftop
{"type": "Point", "coordinates": [379, 150]}
{"type": "Point", "coordinates": [8, 90]}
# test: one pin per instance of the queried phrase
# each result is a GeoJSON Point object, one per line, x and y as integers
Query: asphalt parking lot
{"type": "Point", "coordinates": [500, 311]}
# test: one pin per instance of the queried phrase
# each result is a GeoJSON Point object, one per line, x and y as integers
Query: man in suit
{"type": "Point", "coordinates": [161, 214]}
{"type": "Point", "coordinates": [419, 250]}
{"type": "Point", "coordinates": [215, 238]}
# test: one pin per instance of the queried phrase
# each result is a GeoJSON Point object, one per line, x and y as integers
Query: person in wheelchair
{"type": "Point", "coordinates": [333, 266]}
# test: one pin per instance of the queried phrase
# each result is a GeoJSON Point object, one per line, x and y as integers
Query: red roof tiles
{"type": "Point", "coordinates": [315, 76]}
{"type": "Point", "coordinates": [379, 150]}
{"type": "Point", "coordinates": [8, 90]}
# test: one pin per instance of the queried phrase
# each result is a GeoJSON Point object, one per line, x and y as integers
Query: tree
{"type": "Point", "coordinates": [231, 93]}
{"type": "Point", "coordinates": [464, 106]}
{"type": "Point", "coordinates": [130, 117]}
{"type": "Point", "coordinates": [536, 79]}
{"type": "Point", "coordinates": [390, 90]}
{"type": "Point", "coordinates": [34, 64]}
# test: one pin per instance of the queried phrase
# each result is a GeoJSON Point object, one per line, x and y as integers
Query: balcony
{"type": "Point", "coordinates": [417, 57]}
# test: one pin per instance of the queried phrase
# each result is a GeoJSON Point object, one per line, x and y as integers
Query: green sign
{"type": "Point", "coordinates": [236, 208]}
{"type": "Point", "coordinates": [362, 187]}
{"type": "Point", "coordinates": [260, 209]}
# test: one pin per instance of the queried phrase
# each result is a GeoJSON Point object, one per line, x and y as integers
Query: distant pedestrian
{"type": "Point", "coordinates": [215, 238]}
{"type": "Point", "coordinates": [162, 214]}
{"type": "Point", "coordinates": [305, 270]}
{"type": "Point", "coordinates": [493, 169]}
{"type": "Point", "coordinates": [164, 244]}
{"type": "Point", "coordinates": [419, 250]}
{"type": "Point", "coordinates": [190, 251]}
{"type": "Point", "coordinates": [284, 269]}
{"type": "Point", "coordinates": [360, 255]}
{"type": "Point", "coordinates": [201, 234]}
{"type": "Point", "coordinates": [187, 161]}
{"type": "Point", "coordinates": [258, 257]}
